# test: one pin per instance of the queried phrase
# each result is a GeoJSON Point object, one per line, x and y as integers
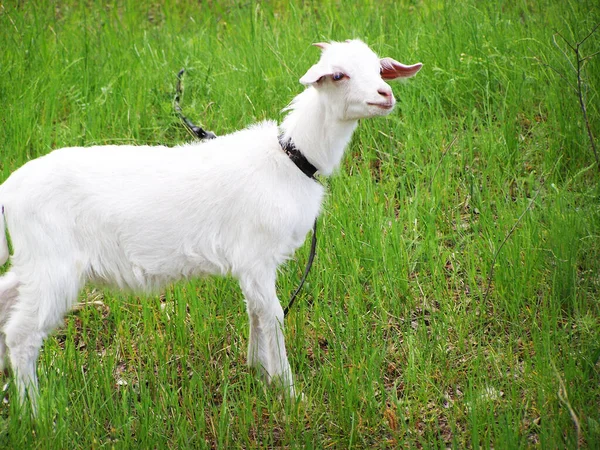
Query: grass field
{"type": "Point", "coordinates": [396, 340]}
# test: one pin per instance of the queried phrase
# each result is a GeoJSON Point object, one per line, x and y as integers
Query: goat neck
{"type": "Point", "coordinates": [314, 126]}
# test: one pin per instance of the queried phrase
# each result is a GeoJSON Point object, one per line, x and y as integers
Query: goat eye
{"type": "Point", "coordinates": [337, 76]}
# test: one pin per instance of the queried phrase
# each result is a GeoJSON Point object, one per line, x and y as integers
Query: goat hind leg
{"type": "Point", "coordinates": [24, 342]}
{"type": "Point", "coordinates": [38, 310]}
{"type": "Point", "coordinates": [8, 295]}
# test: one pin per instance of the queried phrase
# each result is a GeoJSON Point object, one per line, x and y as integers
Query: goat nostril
{"type": "Point", "coordinates": [386, 93]}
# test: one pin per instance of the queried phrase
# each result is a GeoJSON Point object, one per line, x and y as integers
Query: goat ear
{"type": "Point", "coordinates": [392, 69]}
{"type": "Point", "coordinates": [314, 74]}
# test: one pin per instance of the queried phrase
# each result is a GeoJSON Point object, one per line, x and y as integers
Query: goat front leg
{"type": "Point", "coordinates": [266, 347]}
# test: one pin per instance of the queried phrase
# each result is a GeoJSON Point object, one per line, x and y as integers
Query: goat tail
{"type": "Point", "coordinates": [4, 253]}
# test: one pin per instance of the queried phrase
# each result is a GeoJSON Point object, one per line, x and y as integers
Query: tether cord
{"type": "Point", "coordinates": [311, 258]}
{"type": "Point", "coordinates": [200, 133]}
{"type": "Point", "coordinates": [197, 131]}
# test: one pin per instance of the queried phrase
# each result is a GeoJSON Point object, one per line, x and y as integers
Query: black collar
{"type": "Point", "coordinates": [297, 157]}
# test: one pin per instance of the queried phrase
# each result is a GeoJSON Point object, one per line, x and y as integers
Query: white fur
{"type": "Point", "coordinates": [138, 217]}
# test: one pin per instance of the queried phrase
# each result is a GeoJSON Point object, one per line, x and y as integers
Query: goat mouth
{"type": "Point", "coordinates": [382, 105]}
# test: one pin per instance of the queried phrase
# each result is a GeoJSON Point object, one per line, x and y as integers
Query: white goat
{"type": "Point", "coordinates": [139, 217]}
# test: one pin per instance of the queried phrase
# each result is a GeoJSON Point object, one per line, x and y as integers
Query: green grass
{"type": "Point", "coordinates": [392, 342]}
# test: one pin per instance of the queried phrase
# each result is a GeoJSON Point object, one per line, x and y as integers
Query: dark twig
{"type": "Point", "coordinates": [558, 72]}
{"type": "Point", "coordinates": [562, 51]}
{"type": "Point", "coordinates": [590, 56]}
{"type": "Point", "coordinates": [589, 34]}
{"type": "Point", "coordinates": [512, 230]}
{"type": "Point", "coordinates": [580, 61]}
